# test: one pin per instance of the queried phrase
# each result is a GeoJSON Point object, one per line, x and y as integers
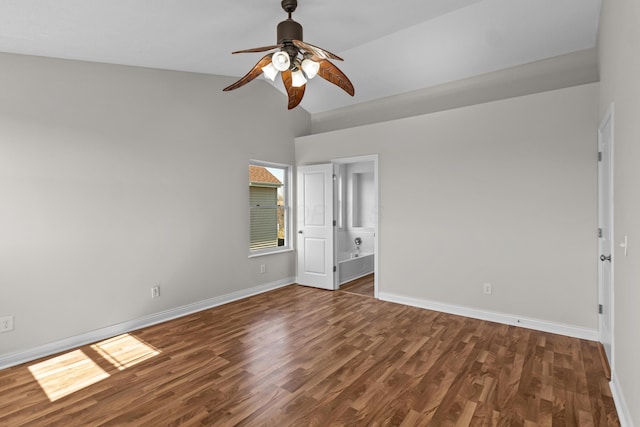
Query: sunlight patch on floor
{"type": "Point", "coordinates": [66, 374]}
{"type": "Point", "coordinates": [63, 375]}
{"type": "Point", "coordinates": [125, 350]}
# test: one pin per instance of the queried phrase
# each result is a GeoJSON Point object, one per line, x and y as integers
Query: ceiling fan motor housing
{"type": "Point", "coordinates": [289, 30]}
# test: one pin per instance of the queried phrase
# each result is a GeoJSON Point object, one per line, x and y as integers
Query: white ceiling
{"type": "Point", "coordinates": [390, 47]}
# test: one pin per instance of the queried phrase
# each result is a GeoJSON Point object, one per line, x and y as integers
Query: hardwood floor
{"type": "Point", "coordinates": [299, 356]}
{"type": "Point", "coordinates": [362, 286]}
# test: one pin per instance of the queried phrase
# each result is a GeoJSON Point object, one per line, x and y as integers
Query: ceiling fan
{"type": "Point", "coordinates": [296, 60]}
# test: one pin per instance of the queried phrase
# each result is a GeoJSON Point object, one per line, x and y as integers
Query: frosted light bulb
{"type": "Point", "coordinates": [281, 61]}
{"type": "Point", "coordinates": [270, 72]}
{"type": "Point", "coordinates": [310, 68]}
{"type": "Point", "coordinates": [297, 79]}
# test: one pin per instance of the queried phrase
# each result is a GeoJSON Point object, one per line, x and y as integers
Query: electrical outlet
{"type": "Point", "coordinates": [6, 324]}
{"type": "Point", "coordinates": [486, 288]}
{"type": "Point", "coordinates": [263, 268]}
{"type": "Point", "coordinates": [155, 292]}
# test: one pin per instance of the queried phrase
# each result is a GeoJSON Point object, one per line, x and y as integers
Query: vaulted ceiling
{"type": "Point", "coordinates": [389, 47]}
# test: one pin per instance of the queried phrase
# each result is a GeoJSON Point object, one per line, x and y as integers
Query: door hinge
{"type": "Point", "coordinates": [600, 309]}
{"type": "Point", "coordinates": [599, 156]}
{"type": "Point", "coordinates": [600, 233]}
{"type": "Point", "coordinates": [335, 177]}
{"type": "Point", "coordinates": [335, 269]}
{"type": "Point", "coordinates": [334, 223]}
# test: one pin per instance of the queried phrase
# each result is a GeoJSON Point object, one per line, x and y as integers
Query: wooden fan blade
{"type": "Point", "coordinates": [255, 72]}
{"type": "Point", "coordinates": [315, 50]}
{"type": "Point", "coordinates": [295, 93]}
{"type": "Point", "coordinates": [332, 74]}
{"type": "Point", "coordinates": [259, 49]}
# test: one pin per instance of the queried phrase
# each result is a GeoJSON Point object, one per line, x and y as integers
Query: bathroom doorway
{"type": "Point", "coordinates": [337, 223]}
{"type": "Point", "coordinates": [356, 215]}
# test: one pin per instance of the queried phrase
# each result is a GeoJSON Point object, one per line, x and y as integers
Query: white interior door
{"type": "Point", "coordinates": [605, 221]}
{"type": "Point", "coordinates": [315, 231]}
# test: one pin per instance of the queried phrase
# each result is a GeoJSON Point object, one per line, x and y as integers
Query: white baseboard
{"type": "Point", "coordinates": [621, 404]}
{"type": "Point", "coordinates": [508, 319]}
{"type": "Point", "coordinates": [13, 359]}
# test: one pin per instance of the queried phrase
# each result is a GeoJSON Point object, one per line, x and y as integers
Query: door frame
{"type": "Point", "coordinates": [359, 159]}
{"type": "Point", "coordinates": [607, 118]}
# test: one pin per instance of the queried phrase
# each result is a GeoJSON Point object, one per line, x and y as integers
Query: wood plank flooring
{"type": "Point", "coordinates": [300, 356]}
{"type": "Point", "coordinates": [362, 286]}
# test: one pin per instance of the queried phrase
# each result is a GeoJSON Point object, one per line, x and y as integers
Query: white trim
{"type": "Point", "coordinates": [621, 404]}
{"type": "Point", "coordinates": [288, 203]}
{"type": "Point", "coordinates": [282, 251]}
{"type": "Point", "coordinates": [508, 319]}
{"type": "Point", "coordinates": [356, 159]}
{"type": "Point", "coordinates": [13, 359]}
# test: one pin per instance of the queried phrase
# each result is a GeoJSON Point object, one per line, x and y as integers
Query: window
{"type": "Point", "coordinates": [269, 207]}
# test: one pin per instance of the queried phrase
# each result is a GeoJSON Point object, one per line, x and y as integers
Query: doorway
{"type": "Point", "coordinates": [346, 208]}
{"type": "Point", "coordinates": [356, 218]}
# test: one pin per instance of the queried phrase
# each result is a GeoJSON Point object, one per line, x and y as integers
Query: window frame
{"type": "Point", "coordinates": [288, 217]}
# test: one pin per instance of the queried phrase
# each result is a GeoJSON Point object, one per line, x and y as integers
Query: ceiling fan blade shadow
{"type": "Point", "coordinates": [295, 93]}
{"type": "Point", "coordinates": [315, 50]}
{"type": "Point", "coordinates": [332, 74]}
{"type": "Point", "coordinates": [255, 72]}
{"type": "Point", "coordinates": [259, 49]}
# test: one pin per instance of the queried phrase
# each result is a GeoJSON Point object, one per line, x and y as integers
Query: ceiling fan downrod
{"type": "Point", "coordinates": [289, 6]}
{"type": "Point", "coordinates": [289, 30]}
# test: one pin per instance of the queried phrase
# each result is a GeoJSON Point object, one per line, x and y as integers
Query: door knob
{"type": "Point", "coordinates": [299, 231]}
{"type": "Point", "coordinates": [605, 258]}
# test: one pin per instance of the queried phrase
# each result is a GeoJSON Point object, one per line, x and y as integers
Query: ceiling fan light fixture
{"type": "Point", "coordinates": [310, 68]}
{"type": "Point", "coordinates": [298, 61]}
{"type": "Point", "coordinates": [297, 79]}
{"type": "Point", "coordinates": [281, 61]}
{"type": "Point", "coordinates": [270, 71]}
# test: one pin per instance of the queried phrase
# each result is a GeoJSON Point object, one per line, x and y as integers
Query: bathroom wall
{"type": "Point", "coordinates": [360, 196]}
{"type": "Point", "coordinates": [358, 207]}
{"type": "Point", "coordinates": [346, 241]}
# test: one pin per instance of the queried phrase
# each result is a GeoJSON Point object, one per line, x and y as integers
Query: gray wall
{"type": "Point", "coordinates": [503, 192]}
{"type": "Point", "coordinates": [620, 74]}
{"type": "Point", "coordinates": [114, 179]}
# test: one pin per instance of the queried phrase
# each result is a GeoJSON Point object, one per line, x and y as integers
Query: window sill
{"type": "Point", "coordinates": [279, 251]}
